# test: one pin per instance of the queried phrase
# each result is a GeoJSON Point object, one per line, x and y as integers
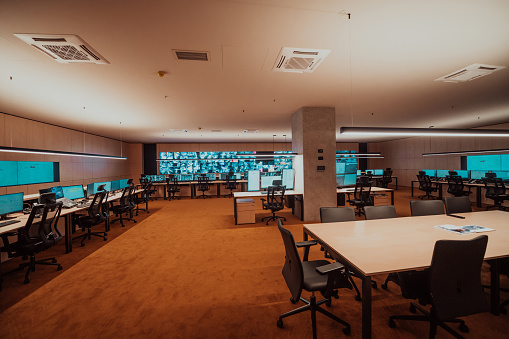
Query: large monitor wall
{"type": "Point", "coordinates": [219, 162]}
{"type": "Point", "coordinates": [13, 173]}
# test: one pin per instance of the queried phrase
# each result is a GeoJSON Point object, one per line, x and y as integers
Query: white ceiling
{"type": "Point", "coordinates": [380, 71]}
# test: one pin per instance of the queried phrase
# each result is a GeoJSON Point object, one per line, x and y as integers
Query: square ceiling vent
{"type": "Point", "coordinates": [470, 73]}
{"type": "Point", "coordinates": [63, 48]}
{"type": "Point", "coordinates": [299, 60]}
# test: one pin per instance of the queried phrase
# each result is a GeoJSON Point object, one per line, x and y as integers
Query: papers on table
{"type": "Point", "coordinates": [467, 229]}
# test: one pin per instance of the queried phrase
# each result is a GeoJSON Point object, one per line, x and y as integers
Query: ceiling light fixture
{"type": "Point", "coordinates": [339, 155]}
{"type": "Point", "coordinates": [365, 131]}
{"type": "Point", "coordinates": [73, 154]}
{"type": "Point", "coordinates": [502, 150]}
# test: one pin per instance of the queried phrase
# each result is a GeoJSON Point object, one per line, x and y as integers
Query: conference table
{"type": "Point", "coordinates": [262, 194]}
{"type": "Point", "coordinates": [383, 246]}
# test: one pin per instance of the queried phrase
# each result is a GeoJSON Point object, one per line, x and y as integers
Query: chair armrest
{"type": "Point", "coordinates": [326, 269]}
{"type": "Point", "coordinates": [307, 243]}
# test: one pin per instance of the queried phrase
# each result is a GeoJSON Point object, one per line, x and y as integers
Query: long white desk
{"type": "Point", "coordinates": [371, 247]}
{"type": "Point", "coordinates": [261, 194]}
{"type": "Point", "coordinates": [192, 185]}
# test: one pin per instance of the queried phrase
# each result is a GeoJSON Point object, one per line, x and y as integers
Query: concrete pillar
{"type": "Point", "coordinates": [314, 129]}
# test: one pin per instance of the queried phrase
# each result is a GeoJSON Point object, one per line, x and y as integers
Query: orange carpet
{"type": "Point", "coordinates": [187, 271]}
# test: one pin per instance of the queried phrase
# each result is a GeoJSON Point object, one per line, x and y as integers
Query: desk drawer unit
{"type": "Point", "coordinates": [245, 211]}
{"type": "Point", "coordinates": [381, 199]}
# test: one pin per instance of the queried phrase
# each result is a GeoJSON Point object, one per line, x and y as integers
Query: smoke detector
{"type": "Point", "coordinates": [469, 73]}
{"type": "Point", "coordinates": [299, 60]}
{"type": "Point", "coordinates": [63, 48]}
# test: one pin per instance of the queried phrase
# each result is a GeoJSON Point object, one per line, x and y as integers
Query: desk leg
{"type": "Point", "coordinates": [235, 209]}
{"type": "Point", "coordinates": [478, 196]}
{"type": "Point", "coordinates": [68, 233]}
{"type": "Point", "coordinates": [218, 190]}
{"type": "Point", "coordinates": [396, 183]}
{"type": "Point", "coordinates": [412, 185]}
{"type": "Point", "coordinates": [164, 193]}
{"type": "Point", "coordinates": [392, 197]}
{"type": "Point", "coordinates": [440, 195]}
{"type": "Point", "coordinates": [305, 237]}
{"type": "Point", "coordinates": [495, 287]}
{"type": "Point", "coordinates": [366, 307]}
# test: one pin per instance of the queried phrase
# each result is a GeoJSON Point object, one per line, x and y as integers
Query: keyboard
{"type": "Point", "coordinates": [8, 222]}
{"type": "Point", "coordinates": [67, 203]}
{"type": "Point", "coordinates": [84, 204]}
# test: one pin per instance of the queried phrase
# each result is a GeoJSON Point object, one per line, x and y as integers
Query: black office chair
{"type": "Point", "coordinates": [142, 197]}
{"type": "Point", "coordinates": [125, 205]}
{"type": "Point", "coordinates": [426, 207]}
{"type": "Point", "coordinates": [386, 178]}
{"type": "Point", "coordinates": [495, 190]}
{"type": "Point", "coordinates": [275, 202]}
{"type": "Point", "coordinates": [451, 285]}
{"type": "Point", "coordinates": [456, 186]}
{"type": "Point", "coordinates": [231, 184]}
{"type": "Point", "coordinates": [361, 194]}
{"type": "Point", "coordinates": [427, 186]}
{"type": "Point", "coordinates": [312, 276]}
{"type": "Point", "coordinates": [203, 186]}
{"type": "Point", "coordinates": [172, 187]}
{"type": "Point", "coordinates": [95, 216]}
{"type": "Point", "coordinates": [457, 205]}
{"type": "Point", "coordinates": [39, 234]}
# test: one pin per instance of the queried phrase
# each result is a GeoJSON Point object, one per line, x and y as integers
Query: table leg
{"type": "Point", "coordinates": [68, 233]}
{"type": "Point", "coordinates": [440, 195]}
{"type": "Point", "coordinates": [396, 183]}
{"type": "Point", "coordinates": [366, 307]}
{"type": "Point", "coordinates": [495, 287]}
{"type": "Point", "coordinates": [392, 197]}
{"type": "Point", "coordinates": [412, 185]}
{"type": "Point", "coordinates": [305, 237]}
{"type": "Point", "coordinates": [164, 192]}
{"type": "Point", "coordinates": [218, 190]}
{"type": "Point", "coordinates": [478, 196]}
{"type": "Point", "coordinates": [235, 209]}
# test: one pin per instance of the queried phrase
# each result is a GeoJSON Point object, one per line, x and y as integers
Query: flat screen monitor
{"type": "Point", "coordinates": [350, 179]}
{"type": "Point", "coordinates": [73, 192]}
{"type": "Point", "coordinates": [288, 178]}
{"type": "Point", "coordinates": [253, 180]}
{"type": "Point", "coordinates": [186, 177]}
{"type": "Point", "coordinates": [115, 185]}
{"type": "Point", "coordinates": [430, 172]}
{"type": "Point", "coordinates": [477, 174]}
{"type": "Point", "coordinates": [8, 173]}
{"type": "Point", "coordinates": [502, 174]}
{"type": "Point", "coordinates": [238, 176]}
{"type": "Point", "coordinates": [442, 173]}
{"type": "Point", "coordinates": [92, 188]}
{"type": "Point", "coordinates": [123, 183]}
{"type": "Point", "coordinates": [378, 172]}
{"type": "Point", "coordinates": [10, 203]}
{"type": "Point", "coordinates": [463, 173]}
{"type": "Point", "coordinates": [359, 172]}
{"type": "Point", "coordinates": [35, 172]}
{"type": "Point", "coordinates": [266, 181]}
{"type": "Point", "coordinates": [59, 193]}
{"type": "Point", "coordinates": [351, 168]}
{"type": "Point", "coordinates": [340, 167]}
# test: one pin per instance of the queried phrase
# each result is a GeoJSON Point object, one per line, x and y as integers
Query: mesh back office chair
{"type": "Point", "coordinates": [275, 202]}
{"type": "Point", "coordinates": [312, 276]}
{"type": "Point", "coordinates": [361, 194]}
{"type": "Point", "coordinates": [426, 185]}
{"type": "Point", "coordinates": [426, 207]}
{"type": "Point", "coordinates": [386, 178]}
{"type": "Point", "coordinates": [456, 186]}
{"type": "Point", "coordinates": [203, 186]}
{"type": "Point", "coordinates": [172, 187]}
{"type": "Point", "coordinates": [457, 205]}
{"type": "Point", "coordinates": [124, 205]}
{"type": "Point", "coordinates": [231, 184]}
{"type": "Point", "coordinates": [452, 285]}
{"type": "Point", "coordinates": [142, 197]}
{"type": "Point", "coordinates": [495, 190]}
{"type": "Point", "coordinates": [95, 216]}
{"type": "Point", "coordinates": [39, 234]}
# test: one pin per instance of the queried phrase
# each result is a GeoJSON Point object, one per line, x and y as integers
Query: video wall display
{"type": "Point", "coordinates": [498, 162]}
{"type": "Point", "coordinates": [219, 162]}
{"type": "Point", "coordinates": [13, 173]}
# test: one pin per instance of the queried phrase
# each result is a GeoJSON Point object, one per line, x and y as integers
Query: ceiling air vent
{"type": "Point", "coordinates": [250, 131]}
{"type": "Point", "coordinates": [191, 55]}
{"type": "Point", "coordinates": [470, 73]}
{"type": "Point", "coordinates": [63, 48]}
{"type": "Point", "coordinates": [299, 60]}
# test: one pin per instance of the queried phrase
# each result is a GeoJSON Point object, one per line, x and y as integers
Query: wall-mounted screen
{"type": "Point", "coordinates": [502, 174]}
{"type": "Point", "coordinates": [14, 173]}
{"type": "Point", "coordinates": [350, 179]}
{"type": "Point", "coordinates": [73, 192]}
{"type": "Point", "coordinates": [10, 203]}
{"type": "Point", "coordinates": [340, 167]}
{"type": "Point", "coordinates": [253, 180]}
{"type": "Point", "coordinates": [288, 178]}
{"type": "Point", "coordinates": [484, 162]}
{"type": "Point", "coordinates": [8, 173]}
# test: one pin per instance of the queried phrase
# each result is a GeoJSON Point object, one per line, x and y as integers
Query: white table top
{"type": "Point", "coordinates": [400, 244]}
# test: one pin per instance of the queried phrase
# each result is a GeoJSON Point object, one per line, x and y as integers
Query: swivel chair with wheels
{"type": "Point", "coordinates": [203, 186]}
{"type": "Point", "coordinates": [39, 234]}
{"type": "Point", "coordinates": [361, 195]}
{"type": "Point", "coordinates": [427, 186]}
{"type": "Point", "coordinates": [456, 186]}
{"type": "Point", "coordinates": [125, 205]}
{"type": "Point", "coordinates": [231, 183]}
{"type": "Point", "coordinates": [275, 202]}
{"type": "Point", "coordinates": [386, 178]}
{"type": "Point", "coordinates": [451, 285]}
{"type": "Point", "coordinates": [95, 216]}
{"type": "Point", "coordinates": [312, 276]}
{"type": "Point", "coordinates": [142, 197]}
{"type": "Point", "coordinates": [496, 191]}
{"type": "Point", "coordinates": [457, 205]}
{"type": "Point", "coordinates": [172, 187]}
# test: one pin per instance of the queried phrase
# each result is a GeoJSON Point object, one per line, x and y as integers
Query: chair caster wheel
{"type": "Point", "coordinates": [82, 244]}
{"type": "Point", "coordinates": [26, 281]}
{"type": "Point", "coordinates": [357, 297]}
{"type": "Point", "coordinates": [105, 239]}
{"type": "Point", "coordinates": [464, 328]}
{"type": "Point", "coordinates": [54, 261]}
{"type": "Point", "coordinates": [328, 303]}
{"type": "Point", "coordinates": [59, 267]}
{"type": "Point", "coordinates": [105, 234]}
{"type": "Point", "coordinates": [374, 284]}
{"type": "Point", "coordinates": [347, 330]}
{"type": "Point", "coordinates": [293, 301]}
{"type": "Point", "coordinates": [384, 286]}
{"type": "Point", "coordinates": [412, 309]}
{"type": "Point", "coordinates": [391, 323]}
{"type": "Point", "coordinates": [279, 323]}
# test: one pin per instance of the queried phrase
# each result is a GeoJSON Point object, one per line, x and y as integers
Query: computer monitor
{"type": "Point", "coordinates": [288, 178]}
{"type": "Point", "coordinates": [378, 172]}
{"type": "Point", "coordinates": [359, 172]}
{"type": "Point", "coordinates": [115, 185]}
{"type": "Point", "coordinates": [350, 179]}
{"type": "Point", "coordinates": [477, 174]}
{"type": "Point", "coordinates": [123, 183]}
{"type": "Point", "coordinates": [253, 180]}
{"type": "Point", "coordinates": [502, 174]}
{"type": "Point", "coordinates": [59, 193]}
{"type": "Point", "coordinates": [442, 173]}
{"type": "Point", "coordinates": [340, 180]}
{"type": "Point", "coordinates": [92, 188]}
{"type": "Point", "coordinates": [74, 192]}
{"type": "Point", "coordinates": [266, 181]}
{"type": "Point", "coordinates": [464, 174]}
{"type": "Point", "coordinates": [340, 167]}
{"type": "Point", "coordinates": [430, 172]}
{"type": "Point", "coordinates": [10, 203]}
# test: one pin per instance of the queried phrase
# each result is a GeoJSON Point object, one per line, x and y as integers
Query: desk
{"type": "Point", "coordinates": [192, 185]}
{"type": "Point", "coordinates": [385, 246]}
{"type": "Point", "coordinates": [378, 177]}
{"type": "Point", "coordinates": [478, 187]}
{"type": "Point", "coordinates": [373, 190]}
{"type": "Point", "coordinates": [260, 194]}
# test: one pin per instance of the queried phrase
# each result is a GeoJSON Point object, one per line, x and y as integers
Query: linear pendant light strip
{"type": "Point", "coordinates": [423, 132]}
{"type": "Point", "coordinates": [73, 154]}
{"type": "Point", "coordinates": [501, 150]}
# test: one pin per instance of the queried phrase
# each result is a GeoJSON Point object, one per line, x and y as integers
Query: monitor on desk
{"type": "Point", "coordinates": [359, 172]}
{"type": "Point", "coordinates": [123, 183]}
{"type": "Point", "coordinates": [464, 174]}
{"type": "Point", "coordinates": [92, 188]}
{"type": "Point", "coordinates": [266, 181]}
{"type": "Point", "coordinates": [115, 185]}
{"type": "Point", "coordinates": [478, 175]}
{"type": "Point", "coordinates": [288, 178]}
{"type": "Point", "coordinates": [502, 174]}
{"type": "Point", "coordinates": [10, 203]}
{"type": "Point", "coordinates": [253, 180]}
{"type": "Point", "coordinates": [74, 192]}
{"type": "Point", "coordinates": [442, 173]}
{"type": "Point", "coordinates": [350, 179]}
{"type": "Point", "coordinates": [378, 172]}
{"type": "Point", "coordinates": [59, 193]}
{"type": "Point", "coordinates": [430, 172]}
